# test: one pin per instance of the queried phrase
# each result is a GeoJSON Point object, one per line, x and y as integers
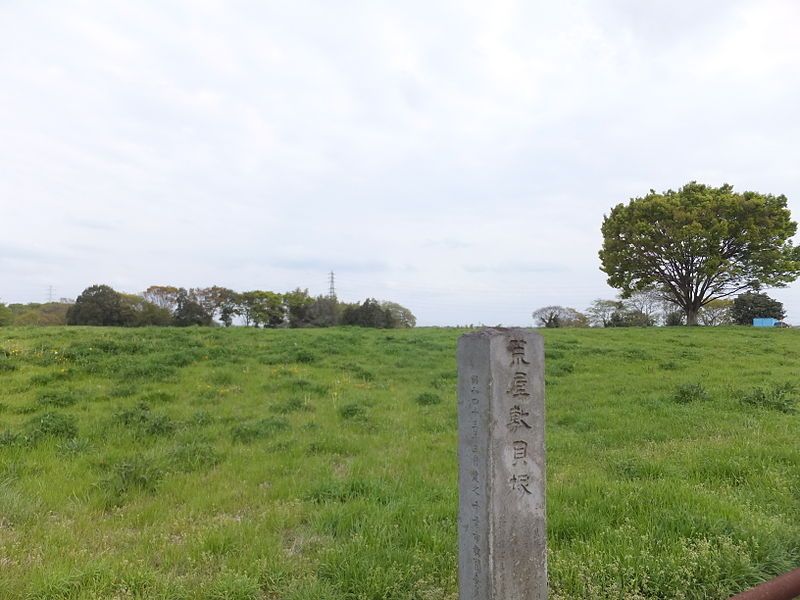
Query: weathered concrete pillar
{"type": "Point", "coordinates": [502, 542]}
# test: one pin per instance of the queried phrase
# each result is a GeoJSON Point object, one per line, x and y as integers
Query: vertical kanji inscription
{"type": "Point", "coordinates": [502, 545]}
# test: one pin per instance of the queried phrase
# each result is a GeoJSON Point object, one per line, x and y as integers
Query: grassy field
{"type": "Point", "coordinates": [321, 464]}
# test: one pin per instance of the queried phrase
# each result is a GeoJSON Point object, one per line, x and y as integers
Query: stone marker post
{"type": "Point", "coordinates": [502, 545]}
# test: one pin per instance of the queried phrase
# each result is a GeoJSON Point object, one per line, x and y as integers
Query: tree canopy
{"type": "Point", "coordinates": [749, 306]}
{"type": "Point", "coordinates": [641, 309]}
{"type": "Point", "coordinates": [717, 312]}
{"type": "Point", "coordinates": [5, 315]}
{"type": "Point", "coordinates": [370, 313]}
{"type": "Point", "coordinates": [559, 316]}
{"type": "Point", "coordinates": [138, 312]}
{"type": "Point", "coordinates": [296, 308]}
{"type": "Point", "coordinates": [399, 315]}
{"type": "Point", "coordinates": [163, 305]}
{"type": "Point", "coordinates": [97, 305]}
{"type": "Point", "coordinates": [699, 243]}
{"type": "Point", "coordinates": [189, 311]}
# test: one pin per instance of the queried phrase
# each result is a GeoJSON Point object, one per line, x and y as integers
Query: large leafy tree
{"type": "Point", "coordinates": [97, 305]}
{"type": "Point", "coordinates": [298, 304]}
{"type": "Point", "coordinates": [262, 308]}
{"type": "Point", "coordinates": [643, 307]}
{"type": "Point", "coordinates": [189, 311]}
{"type": "Point", "coordinates": [370, 313]}
{"type": "Point", "coordinates": [219, 302]}
{"type": "Point", "coordinates": [366, 314]}
{"type": "Point", "coordinates": [138, 312]}
{"type": "Point", "coordinates": [400, 315]}
{"type": "Point", "coordinates": [717, 312]}
{"type": "Point", "coordinates": [699, 243]}
{"type": "Point", "coordinates": [325, 311]}
{"type": "Point", "coordinates": [559, 316]}
{"type": "Point", "coordinates": [601, 312]}
{"type": "Point", "coordinates": [228, 305]}
{"type": "Point", "coordinates": [163, 296]}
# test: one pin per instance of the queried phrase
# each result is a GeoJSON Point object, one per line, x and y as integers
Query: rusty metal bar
{"type": "Point", "coordinates": [785, 587]}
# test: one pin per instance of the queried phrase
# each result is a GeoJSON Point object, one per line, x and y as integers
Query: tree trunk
{"type": "Point", "coordinates": [691, 316]}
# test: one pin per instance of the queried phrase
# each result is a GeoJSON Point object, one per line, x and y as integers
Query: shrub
{"type": "Point", "coordinates": [135, 473]}
{"type": "Point", "coordinates": [690, 392]}
{"type": "Point", "coordinates": [52, 425]}
{"type": "Point", "coordinates": [353, 412]}
{"type": "Point", "coordinates": [778, 396]}
{"type": "Point", "coordinates": [675, 318]}
{"type": "Point", "coordinates": [144, 421]}
{"type": "Point", "coordinates": [428, 399]}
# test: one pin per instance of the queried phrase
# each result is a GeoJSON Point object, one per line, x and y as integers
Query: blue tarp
{"type": "Point", "coordinates": [764, 322]}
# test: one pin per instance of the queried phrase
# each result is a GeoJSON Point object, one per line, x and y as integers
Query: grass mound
{"type": "Point", "coordinates": [307, 464]}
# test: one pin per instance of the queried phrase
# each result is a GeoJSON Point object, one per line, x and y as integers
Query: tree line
{"type": "Point", "coordinates": [648, 309]}
{"type": "Point", "coordinates": [165, 306]}
{"type": "Point", "coordinates": [34, 313]}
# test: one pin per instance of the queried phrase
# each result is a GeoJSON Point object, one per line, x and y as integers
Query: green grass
{"type": "Point", "coordinates": [321, 464]}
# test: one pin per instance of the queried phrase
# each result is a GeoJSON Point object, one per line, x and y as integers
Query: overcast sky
{"type": "Point", "coordinates": [456, 157]}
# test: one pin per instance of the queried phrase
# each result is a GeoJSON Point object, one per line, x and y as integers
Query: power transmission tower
{"type": "Point", "coordinates": [50, 292]}
{"type": "Point", "coordinates": [332, 290]}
